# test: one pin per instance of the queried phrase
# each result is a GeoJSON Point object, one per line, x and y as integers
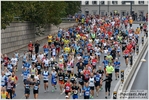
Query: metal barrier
{"type": "Point", "coordinates": [130, 71]}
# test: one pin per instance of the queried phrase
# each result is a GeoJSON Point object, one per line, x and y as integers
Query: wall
{"type": "Point", "coordinates": [119, 8]}
{"type": "Point", "coordinates": [18, 35]}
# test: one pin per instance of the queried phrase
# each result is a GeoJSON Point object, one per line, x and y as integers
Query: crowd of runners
{"type": "Point", "coordinates": [70, 60]}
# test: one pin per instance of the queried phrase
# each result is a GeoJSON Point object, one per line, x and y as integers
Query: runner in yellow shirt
{"type": "Point", "coordinates": [4, 93]}
{"type": "Point", "coordinates": [50, 37]}
{"type": "Point", "coordinates": [67, 49]}
{"type": "Point", "coordinates": [130, 21]}
{"type": "Point", "coordinates": [78, 37]}
{"type": "Point", "coordinates": [66, 41]}
{"type": "Point", "coordinates": [137, 30]}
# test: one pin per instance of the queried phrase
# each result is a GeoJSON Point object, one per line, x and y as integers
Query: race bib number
{"type": "Point", "coordinates": [67, 88]}
{"type": "Point", "coordinates": [54, 80]}
{"type": "Point", "coordinates": [97, 79]}
{"type": "Point", "coordinates": [87, 93]}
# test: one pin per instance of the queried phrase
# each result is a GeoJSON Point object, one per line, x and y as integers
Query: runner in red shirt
{"type": "Point", "coordinates": [6, 59]}
{"type": "Point", "coordinates": [126, 54]}
{"type": "Point", "coordinates": [67, 88]}
{"type": "Point", "coordinates": [86, 73]}
{"type": "Point", "coordinates": [89, 46]}
{"type": "Point", "coordinates": [94, 62]}
{"type": "Point", "coordinates": [130, 47]}
{"type": "Point", "coordinates": [15, 79]}
{"type": "Point", "coordinates": [30, 49]}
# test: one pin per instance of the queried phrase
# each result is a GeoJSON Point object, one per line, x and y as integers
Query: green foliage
{"type": "Point", "coordinates": [40, 13]}
{"type": "Point", "coordinates": [73, 7]}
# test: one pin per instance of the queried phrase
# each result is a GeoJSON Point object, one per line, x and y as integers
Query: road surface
{"type": "Point", "coordinates": [141, 80]}
{"type": "Point", "coordinates": [56, 94]}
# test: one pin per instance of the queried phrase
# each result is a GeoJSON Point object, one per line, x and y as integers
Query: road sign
{"type": "Point", "coordinates": [122, 76]}
{"type": "Point", "coordinates": [114, 95]}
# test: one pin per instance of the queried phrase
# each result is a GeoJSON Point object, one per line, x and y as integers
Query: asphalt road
{"type": "Point", "coordinates": [141, 80]}
{"type": "Point", "coordinates": [56, 94]}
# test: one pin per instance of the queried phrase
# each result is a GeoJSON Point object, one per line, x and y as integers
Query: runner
{"type": "Point", "coordinates": [14, 79]}
{"type": "Point", "coordinates": [27, 86]}
{"type": "Point", "coordinates": [4, 93]}
{"type": "Point", "coordinates": [117, 67]}
{"type": "Point", "coordinates": [25, 74]}
{"type": "Point", "coordinates": [107, 85]}
{"type": "Point", "coordinates": [3, 79]}
{"type": "Point", "coordinates": [37, 45]}
{"type": "Point", "coordinates": [75, 89]}
{"type": "Point", "coordinates": [61, 79]}
{"type": "Point", "coordinates": [86, 90]}
{"type": "Point", "coordinates": [92, 85]}
{"type": "Point", "coordinates": [67, 89]}
{"type": "Point", "coordinates": [53, 79]}
{"type": "Point", "coordinates": [97, 80]}
{"type": "Point", "coordinates": [10, 84]}
{"type": "Point", "coordinates": [109, 69]}
{"type": "Point", "coordinates": [86, 73]}
{"type": "Point", "coordinates": [35, 88]}
{"type": "Point", "coordinates": [50, 37]}
{"type": "Point", "coordinates": [46, 76]}
{"type": "Point", "coordinates": [14, 62]}
{"type": "Point", "coordinates": [30, 49]}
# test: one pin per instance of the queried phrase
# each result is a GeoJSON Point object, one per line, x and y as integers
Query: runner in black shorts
{"type": "Point", "coordinates": [27, 86]}
{"type": "Point", "coordinates": [66, 77]}
{"type": "Point", "coordinates": [36, 89]}
{"type": "Point", "coordinates": [81, 82]}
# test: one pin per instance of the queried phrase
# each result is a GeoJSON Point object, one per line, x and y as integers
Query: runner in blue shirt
{"type": "Point", "coordinates": [3, 79]}
{"type": "Point", "coordinates": [53, 79]}
{"type": "Point", "coordinates": [105, 63]}
{"type": "Point", "coordinates": [117, 67]}
{"type": "Point", "coordinates": [86, 59]}
{"type": "Point", "coordinates": [86, 91]}
{"type": "Point", "coordinates": [25, 74]}
{"type": "Point", "coordinates": [97, 79]}
{"type": "Point", "coordinates": [10, 66]}
{"type": "Point", "coordinates": [27, 66]}
{"type": "Point", "coordinates": [46, 51]}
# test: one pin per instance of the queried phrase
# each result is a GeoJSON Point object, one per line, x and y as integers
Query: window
{"type": "Point", "coordinates": [102, 13]}
{"type": "Point", "coordinates": [114, 2]}
{"type": "Point", "coordinates": [102, 2]}
{"type": "Point", "coordinates": [141, 2]}
{"type": "Point", "coordinates": [94, 2]}
{"type": "Point", "coordinates": [124, 2]}
{"type": "Point", "coordinates": [123, 13]}
{"type": "Point", "coordinates": [86, 12]}
{"type": "Point", "coordinates": [94, 12]}
{"type": "Point", "coordinates": [86, 2]}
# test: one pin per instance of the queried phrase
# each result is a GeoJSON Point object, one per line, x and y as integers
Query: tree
{"type": "Point", "coordinates": [40, 13]}
{"type": "Point", "coordinates": [8, 11]}
{"type": "Point", "coordinates": [73, 7]}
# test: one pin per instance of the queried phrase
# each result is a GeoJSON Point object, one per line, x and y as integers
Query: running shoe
{"type": "Point", "coordinates": [52, 91]}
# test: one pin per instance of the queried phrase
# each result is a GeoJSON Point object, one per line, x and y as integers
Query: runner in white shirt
{"type": "Point", "coordinates": [92, 84]}
{"type": "Point", "coordinates": [41, 55]}
{"type": "Point", "coordinates": [97, 41]}
{"type": "Point", "coordinates": [98, 52]}
{"type": "Point", "coordinates": [34, 57]}
{"type": "Point", "coordinates": [78, 57]}
{"type": "Point", "coordinates": [14, 62]}
{"type": "Point", "coordinates": [46, 62]}
{"type": "Point", "coordinates": [54, 51]}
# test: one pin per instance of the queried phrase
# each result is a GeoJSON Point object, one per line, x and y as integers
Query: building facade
{"type": "Point", "coordinates": [107, 7]}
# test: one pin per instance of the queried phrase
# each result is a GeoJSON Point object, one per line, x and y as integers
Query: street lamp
{"type": "Point", "coordinates": [130, 7]}
{"type": "Point", "coordinates": [99, 7]}
{"type": "Point", "coordinates": [108, 7]}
